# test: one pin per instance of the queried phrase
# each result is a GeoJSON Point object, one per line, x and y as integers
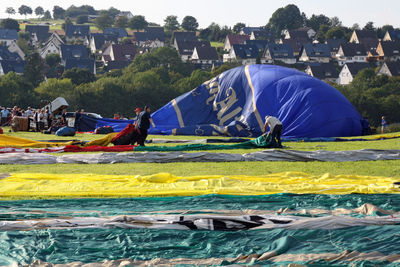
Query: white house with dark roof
{"type": "Point", "coordinates": [349, 71]}
{"type": "Point", "coordinates": [315, 53]}
{"type": "Point", "coordinates": [279, 52]}
{"type": "Point", "coordinates": [205, 56]}
{"type": "Point", "coordinates": [351, 53]}
{"type": "Point", "coordinates": [390, 69]}
{"type": "Point", "coordinates": [232, 39]}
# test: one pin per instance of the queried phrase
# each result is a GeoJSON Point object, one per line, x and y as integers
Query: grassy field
{"type": "Point", "coordinates": [377, 168]}
{"type": "Point", "coordinates": [217, 44]}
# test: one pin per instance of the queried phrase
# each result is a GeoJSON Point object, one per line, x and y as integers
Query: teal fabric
{"type": "Point", "coordinates": [97, 245]}
{"type": "Point", "coordinates": [32, 209]}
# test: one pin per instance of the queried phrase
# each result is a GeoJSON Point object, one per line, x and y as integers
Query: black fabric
{"type": "Point", "coordinates": [104, 130]}
{"type": "Point", "coordinates": [128, 139]}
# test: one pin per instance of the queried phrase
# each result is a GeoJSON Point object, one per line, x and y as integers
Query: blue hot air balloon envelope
{"type": "Point", "coordinates": [236, 102]}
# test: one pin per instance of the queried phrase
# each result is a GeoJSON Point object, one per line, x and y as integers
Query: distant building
{"type": "Point", "coordinates": [152, 37]}
{"type": "Point", "coordinates": [334, 45]}
{"type": "Point", "coordinates": [184, 37]}
{"type": "Point", "coordinates": [315, 53]}
{"type": "Point", "coordinates": [393, 35]}
{"type": "Point", "coordinates": [7, 66]}
{"type": "Point", "coordinates": [14, 48]}
{"type": "Point", "coordinates": [76, 32]}
{"type": "Point", "coordinates": [390, 69]}
{"type": "Point", "coordinates": [351, 53]}
{"type": "Point", "coordinates": [126, 14]}
{"type": "Point", "coordinates": [204, 56]}
{"type": "Point", "coordinates": [260, 44]}
{"type": "Point", "coordinates": [186, 48]}
{"type": "Point", "coordinates": [7, 36]}
{"type": "Point", "coordinates": [232, 39]}
{"type": "Point", "coordinates": [249, 30]}
{"type": "Point", "coordinates": [119, 52]}
{"type": "Point", "coordinates": [244, 53]}
{"type": "Point", "coordinates": [279, 52]}
{"type": "Point", "coordinates": [325, 71]}
{"type": "Point", "coordinates": [81, 63]}
{"type": "Point", "coordinates": [368, 38]}
{"type": "Point", "coordinates": [118, 32]}
{"type": "Point", "coordinates": [349, 71]}
{"type": "Point", "coordinates": [73, 52]}
{"type": "Point", "coordinates": [51, 46]}
{"type": "Point", "coordinates": [39, 33]}
{"type": "Point", "coordinates": [389, 51]}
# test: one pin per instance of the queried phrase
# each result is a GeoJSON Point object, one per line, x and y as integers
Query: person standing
{"type": "Point", "coordinates": [4, 115]}
{"type": "Point", "coordinates": [143, 124]}
{"type": "Point", "coordinates": [385, 125]}
{"type": "Point", "coordinates": [275, 130]}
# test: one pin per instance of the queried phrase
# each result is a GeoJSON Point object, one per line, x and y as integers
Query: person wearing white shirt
{"type": "Point", "coordinates": [275, 130]}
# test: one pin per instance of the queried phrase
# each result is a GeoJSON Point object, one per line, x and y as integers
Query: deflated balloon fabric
{"type": "Point", "coordinates": [40, 185]}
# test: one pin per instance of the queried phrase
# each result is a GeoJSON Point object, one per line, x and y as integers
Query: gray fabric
{"type": "Point", "coordinates": [162, 157]}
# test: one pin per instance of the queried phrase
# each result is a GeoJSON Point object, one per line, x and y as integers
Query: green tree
{"type": "Point", "coordinates": [103, 21]}
{"type": "Point", "coordinates": [24, 10]}
{"type": "Point", "coordinates": [47, 15]}
{"type": "Point", "coordinates": [10, 11]}
{"type": "Point", "coordinates": [53, 60]}
{"type": "Point", "coordinates": [335, 22]}
{"type": "Point", "coordinates": [54, 67]}
{"type": "Point", "coordinates": [238, 27]}
{"type": "Point", "coordinates": [315, 21]}
{"type": "Point", "coordinates": [39, 11]}
{"type": "Point", "coordinates": [24, 42]}
{"type": "Point", "coordinates": [81, 19]}
{"type": "Point", "coordinates": [288, 17]}
{"type": "Point", "coordinates": [34, 69]}
{"type": "Point", "coordinates": [369, 26]}
{"type": "Point", "coordinates": [121, 22]}
{"type": "Point", "coordinates": [79, 76]}
{"type": "Point", "coordinates": [189, 23]}
{"type": "Point", "coordinates": [138, 22]}
{"type": "Point", "coordinates": [58, 12]}
{"type": "Point", "coordinates": [112, 12]}
{"type": "Point", "coordinates": [336, 33]}
{"type": "Point", "coordinates": [11, 24]}
{"type": "Point", "coordinates": [171, 23]}
{"type": "Point", "coordinates": [54, 88]}
{"type": "Point", "coordinates": [196, 78]}
{"type": "Point", "coordinates": [382, 30]}
{"type": "Point", "coordinates": [14, 90]}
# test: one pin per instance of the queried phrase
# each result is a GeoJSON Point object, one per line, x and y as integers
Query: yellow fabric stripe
{"type": "Point", "coordinates": [255, 110]}
{"type": "Point", "coordinates": [103, 141]}
{"type": "Point", "coordinates": [178, 113]}
{"type": "Point", "coordinates": [41, 185]}
{"type": "Point", "coordinates": [11, 141]}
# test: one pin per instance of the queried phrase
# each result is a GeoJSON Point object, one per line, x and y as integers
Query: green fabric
{"type": "Point", "coordinates": [263, 141]}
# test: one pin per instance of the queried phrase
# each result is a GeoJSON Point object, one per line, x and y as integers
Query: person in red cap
{"type": "Point", "coordinates": [137, 111]}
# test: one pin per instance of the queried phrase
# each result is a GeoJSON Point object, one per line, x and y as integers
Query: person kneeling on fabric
{"type": "Point", "coordinates": [143, 124]}
{"type": "Point", "coordinates": [275, 130]}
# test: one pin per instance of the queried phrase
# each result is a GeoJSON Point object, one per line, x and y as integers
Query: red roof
{"type": "Point", "coordinates": [237, 39]}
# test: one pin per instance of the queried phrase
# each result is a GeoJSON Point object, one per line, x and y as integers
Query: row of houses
{"type": "Point", "coordinates": [80, 48]}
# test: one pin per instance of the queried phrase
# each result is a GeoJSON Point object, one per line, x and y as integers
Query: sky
{"type": "Point", "coordinates": [229, 12]}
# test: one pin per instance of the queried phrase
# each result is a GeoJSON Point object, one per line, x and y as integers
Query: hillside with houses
{"type": "Point", "coordinates": [106, 42]}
